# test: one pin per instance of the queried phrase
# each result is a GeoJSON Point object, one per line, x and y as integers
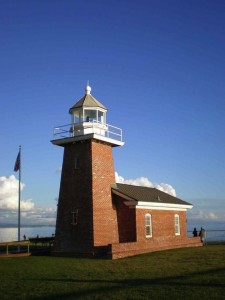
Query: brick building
{"type": "Point", "coordinates": [97, 217]}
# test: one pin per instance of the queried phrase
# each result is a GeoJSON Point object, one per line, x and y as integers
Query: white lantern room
{"type": "Point", "coordinates": [88, 121]}
{"type": "Point", "coordinates": [88, 115]}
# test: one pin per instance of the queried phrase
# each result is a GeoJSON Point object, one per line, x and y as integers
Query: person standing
{"type": "Point", "coordinates": [202, 234]}
{"type": "Point", "coordinates": [195, 233]}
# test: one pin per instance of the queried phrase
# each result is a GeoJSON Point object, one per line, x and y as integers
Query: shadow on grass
{"type": "Point", "coordinates": [111, 286]}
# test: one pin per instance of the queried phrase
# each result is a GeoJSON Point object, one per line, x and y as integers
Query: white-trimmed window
{"type": "Point", "coordinates": [148, 226]}
{"type": "Point", "coordinates": [177, 224]}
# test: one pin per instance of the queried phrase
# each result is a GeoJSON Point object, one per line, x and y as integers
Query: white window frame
{"type": "Point", "coordinates": [177, 224]}
{"type": "Point", "coordinates": [148, 226]}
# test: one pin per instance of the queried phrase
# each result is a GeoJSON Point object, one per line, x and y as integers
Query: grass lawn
{"type": "Point", "coordinates": [192, 273]}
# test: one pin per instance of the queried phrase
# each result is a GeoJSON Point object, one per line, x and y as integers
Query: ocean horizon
{"type": "Point", "coordinates": [215, 231]}
{"type": "Point", "coordinates": [10, 233]}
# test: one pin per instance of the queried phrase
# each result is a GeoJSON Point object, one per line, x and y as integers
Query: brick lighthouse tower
{"type": "Point", "coordinates": [86, 218]}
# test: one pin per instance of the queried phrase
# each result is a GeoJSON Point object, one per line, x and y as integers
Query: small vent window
{"type": "Point", "coordinates": [74, 214]}
{"type": "Point", "coordinates": [76, 163]}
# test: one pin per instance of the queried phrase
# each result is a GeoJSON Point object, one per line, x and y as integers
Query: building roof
{"type": "Point", "coordinates": [89, 101]}
{"type": "Point", "coordinates": [146, 194]}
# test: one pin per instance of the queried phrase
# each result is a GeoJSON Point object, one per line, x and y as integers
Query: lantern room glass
{"type": "Point", "coordinates": [77, 116]}
{"type": "Point", "coordinates": [101, 117]}
{"type": "Point", "coordinates": [88, 115]}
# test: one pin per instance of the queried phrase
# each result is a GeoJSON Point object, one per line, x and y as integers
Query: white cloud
{"type": "Point", "coordinates": [144, 181]}
{"type": "Point", "coordinates": [212, 216]}
{"type": "Point", "coordinates": [207, 209]}
{"type": "Point", "coordinates": [9, 194]}
{"type": "Point", "coordinates": [30, 213]}
{"type": "Point", "coordinates": [205, 215]}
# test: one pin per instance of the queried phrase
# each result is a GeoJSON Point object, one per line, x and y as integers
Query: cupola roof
{"type": "Point", "coordinates": [87, 101]}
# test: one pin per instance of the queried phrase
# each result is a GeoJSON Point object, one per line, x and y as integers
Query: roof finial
{"type": "Point", "coordinates": [88, 88]}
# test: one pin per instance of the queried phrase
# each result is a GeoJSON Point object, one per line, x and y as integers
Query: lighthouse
{"type": "Point", "coordinates": [98, 217]}
{"type": "Point", "coordinates": [86, 217]}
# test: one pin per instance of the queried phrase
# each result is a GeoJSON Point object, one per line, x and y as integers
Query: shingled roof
{"type": "Point", "coordinates": [89, 101]}
{"type": "Point", "coordinates": [146, 194]}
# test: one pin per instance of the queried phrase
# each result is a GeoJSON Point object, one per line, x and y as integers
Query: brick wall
{"type": "Point", "coordinates": [102, 224]}
{"type": "Point", "coordinates": [87, 175]}
{"type": "Point", "coordinates": [121, 250]}
{"type": "Point", "coordinates": [163, 227]}
{"type": "Point", "coordinates": [75, 194]}
{"type": "Point", "coordinates": [126, 218]}
{"type": "Point", "coordinates": [163, 231]}
{"type": "Point", "coordinates": [104, 214]}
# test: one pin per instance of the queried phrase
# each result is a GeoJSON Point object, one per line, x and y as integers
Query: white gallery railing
{"type": "Point", "coordinates": [78, 129]}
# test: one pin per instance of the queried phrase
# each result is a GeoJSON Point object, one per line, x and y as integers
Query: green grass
{"type": "Point", "coordinates": [194, 273]}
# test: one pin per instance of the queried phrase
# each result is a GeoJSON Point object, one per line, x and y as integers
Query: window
{"type": "Point", "coordinates": [77, 116]}
{"type": "Point", "coordinates": [76, 163]}
{"type": "Point", "coordinates": [148, 226]}
{"type": "Point", "coordinates": [74, 213]}
{"type": "Point", "coordinates": [101, 117]}
{"type": "Point", "coordinates": [90, 115]}
{"type": "Point", "coordinates": [177, 224]}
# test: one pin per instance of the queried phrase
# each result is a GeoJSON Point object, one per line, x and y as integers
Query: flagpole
{"type": "Point", "coordinates": [19, 198]}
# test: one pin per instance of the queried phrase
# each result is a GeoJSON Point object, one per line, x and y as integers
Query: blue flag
{"type": "Point", "coordinates": [17, 163]}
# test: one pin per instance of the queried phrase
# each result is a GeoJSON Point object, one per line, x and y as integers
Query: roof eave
{"type": "Point", "coordinates": [163, 206]}
{"type": "Point", "coordinates": [131, 202]}
{"type": "Point", "coordinates": [126, 197]}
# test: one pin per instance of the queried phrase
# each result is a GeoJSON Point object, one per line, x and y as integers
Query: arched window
{"type": "Point", "coordinates": [177, 224]}
{"type": "Point", "coordinates": [148, 226]}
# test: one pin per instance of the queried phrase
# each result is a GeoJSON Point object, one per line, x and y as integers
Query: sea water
{"type": "Point", "coordinates": [215, 231]}
{"type": "Point", "coordinates": [8, 234]}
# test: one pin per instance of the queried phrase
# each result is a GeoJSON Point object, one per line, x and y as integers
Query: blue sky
{"type": "Point", "coordinates": [158, 66]}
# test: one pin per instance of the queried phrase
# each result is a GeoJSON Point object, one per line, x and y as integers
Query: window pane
{"type": "Point", "coordinates": [77, 116]}
{"type": "Point", "coordinates": [101, 117]}
{"type": "Point", "coordinates": [177, 224]}
{"type": "Point", "coordinates": [89, 115]}
{"type": "Point", "coordinates": [148, 225]}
